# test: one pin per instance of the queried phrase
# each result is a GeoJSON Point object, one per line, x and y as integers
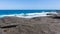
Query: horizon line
{"type": "Point", "coordinates": [29, 9]}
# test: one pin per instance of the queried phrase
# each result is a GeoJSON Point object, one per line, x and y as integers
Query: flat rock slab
{"type": "Point", "coordinates": [39, 25]}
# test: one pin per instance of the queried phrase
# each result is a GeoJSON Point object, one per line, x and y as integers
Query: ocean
{"type": "Point", "coordinates": [25, 13]}
{"type": "Point", "coordinates": [6, 12]}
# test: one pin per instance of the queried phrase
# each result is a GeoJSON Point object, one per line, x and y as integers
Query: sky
{"type": "Point", "coordinates": [29, 4]}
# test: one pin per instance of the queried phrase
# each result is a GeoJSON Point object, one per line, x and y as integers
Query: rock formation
{"type": "Point", "coordinates": [36, 25]}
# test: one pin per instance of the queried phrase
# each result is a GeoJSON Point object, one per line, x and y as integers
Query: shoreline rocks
{"type": "Point", "coordinates": [36, 25]}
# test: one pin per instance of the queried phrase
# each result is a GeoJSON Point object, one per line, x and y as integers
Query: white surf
{"type": "Point", "coordinates": [29, 15]}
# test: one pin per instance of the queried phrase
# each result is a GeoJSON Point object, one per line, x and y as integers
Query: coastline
{"type": "Point", "coordinates": [29, 15]}
{"type": "Point", "coordinates": [35, 25]}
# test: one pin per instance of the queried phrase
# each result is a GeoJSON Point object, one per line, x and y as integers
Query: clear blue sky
{"type": "Point", "coordinates": [29, 4]}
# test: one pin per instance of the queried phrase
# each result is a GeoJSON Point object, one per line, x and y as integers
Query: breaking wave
{"type": "Point", "coordinates": [29, 15]}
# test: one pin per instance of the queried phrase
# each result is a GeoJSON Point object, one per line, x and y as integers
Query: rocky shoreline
{"type": "Point", "coordinates": [36, 25]}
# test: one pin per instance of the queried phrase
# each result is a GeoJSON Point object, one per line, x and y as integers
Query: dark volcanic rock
{"type": "Point", "coordinates": [37, 25]}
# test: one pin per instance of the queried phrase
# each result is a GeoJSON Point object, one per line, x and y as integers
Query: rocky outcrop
{"type": "Point", "coordinates": [36, 25]}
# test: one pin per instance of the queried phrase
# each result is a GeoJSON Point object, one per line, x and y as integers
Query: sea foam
{"type": "Point", "coordinates": [29, 15]}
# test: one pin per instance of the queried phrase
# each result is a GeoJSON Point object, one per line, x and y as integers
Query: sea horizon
{"type": "Point", "coordinates": [5, 12]}
{"type": "Point", "coordinates": [25, 13]}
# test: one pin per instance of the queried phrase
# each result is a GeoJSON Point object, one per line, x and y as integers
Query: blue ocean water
{"type": "Point", "coordinates": [7, 12]}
